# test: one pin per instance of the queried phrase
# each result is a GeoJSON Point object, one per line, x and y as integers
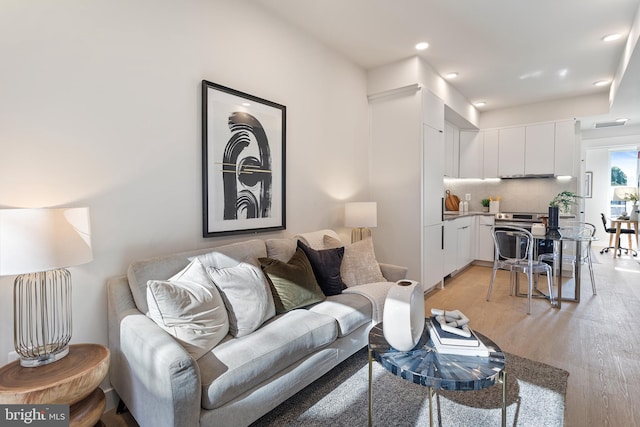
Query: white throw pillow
{"type": "Point", "coordinates": [189, 307]}
{"type": "Point", "coordinates": [246, 294]}
{"type": "Point", "coordinates": [359, 265]}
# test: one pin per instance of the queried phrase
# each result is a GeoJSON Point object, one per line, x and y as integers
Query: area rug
{"type": "Point", "coordinates": [535, 397]}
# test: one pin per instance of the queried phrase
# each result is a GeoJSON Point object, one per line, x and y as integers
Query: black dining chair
{"type": "Point", "coordinates": [612, 233]}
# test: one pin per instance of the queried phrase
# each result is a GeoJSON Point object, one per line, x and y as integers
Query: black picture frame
{"type": "Point", "coordinates": [243, 162]}
{"type": "Point", "coordinates": [588, 184]}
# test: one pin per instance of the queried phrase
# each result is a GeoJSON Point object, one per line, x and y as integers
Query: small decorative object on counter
{"type": "Point", "coordinates": [485, 204]}
{"type": "Point", "coordinates": [494, 204]}
{"type": "Point", "coordinates": [403, 315]}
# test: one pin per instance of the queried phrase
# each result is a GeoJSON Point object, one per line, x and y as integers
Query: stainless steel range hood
{"type": "Point", "coordinates": [529, 176]}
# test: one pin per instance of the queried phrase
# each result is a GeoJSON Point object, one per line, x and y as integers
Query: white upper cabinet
{"type": "Point", "coordinates": [511, 151]}
{"type": "Point", "coordinates": [565, 148]}
{"type": "Point", "coordinates": [539, 149]}
{"type": "Point", "coordinates": [490, 154]}
{"type": "Point", "coordinates": [471, 154]}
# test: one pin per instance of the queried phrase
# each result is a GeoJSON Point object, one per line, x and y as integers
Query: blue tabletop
{"type": "Point", "coordinates": [424, 366]}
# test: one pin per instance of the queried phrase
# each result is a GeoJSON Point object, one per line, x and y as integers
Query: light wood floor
{"type": "Point", "coordinates": [597, 340]}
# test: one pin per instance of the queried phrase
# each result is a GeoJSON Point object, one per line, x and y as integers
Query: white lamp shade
{"type": "Point", "coordinates": [623, 194]}
{"type": "Point", "coordinates": [34, 240]}
{"type": "Point", "coordinates": [361, 214]}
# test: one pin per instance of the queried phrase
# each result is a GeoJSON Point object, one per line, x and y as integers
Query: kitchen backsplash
{"type": "Point", "coordinates": [516, 195]}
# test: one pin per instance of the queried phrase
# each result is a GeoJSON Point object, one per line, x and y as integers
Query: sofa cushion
{"type": "Point", "coordinates": [246, 295]}
{"type": "Point", "coordinates": [189, 307]}
{"type": "Point", "coordinates": [163, 267]}
{"type": "Point", "coordinates": [359, 264]}
{"type": "Point", "coordinates": [326, 268]}
{"type": "Point", "coordinates": [349, 310]}
{"type": "Point", "coordinates": [292, 283]}
{"type": "Point", "coordinates": [281, 249]}
{"type": "Point", "coordinates": [238, 364]}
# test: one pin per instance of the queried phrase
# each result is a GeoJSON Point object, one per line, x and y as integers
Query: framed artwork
{"type": "Point", "coordinates": [588, 184]}
{"type": "Point", "coordinates": [243, 162]}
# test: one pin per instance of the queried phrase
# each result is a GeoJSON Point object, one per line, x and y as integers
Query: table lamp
{"type": "Point", "coordinates": [625, 194]}
{"type": "Point", "coordinates": [37, 245]}
{"type": "Point", "coordinates": [360, 216]}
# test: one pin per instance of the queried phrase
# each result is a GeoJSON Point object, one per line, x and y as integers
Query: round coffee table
{"type": "Point", "coordinates": [425, 366]}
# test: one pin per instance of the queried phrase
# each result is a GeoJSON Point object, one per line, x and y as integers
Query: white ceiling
{"type": "Point", "coordinates": [507, 52]}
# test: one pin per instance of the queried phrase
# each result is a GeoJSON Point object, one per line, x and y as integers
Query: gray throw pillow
{"type": "Point", "coordinates": [246, 295]}
{"type": "Point", "coordinates": [189, 307]}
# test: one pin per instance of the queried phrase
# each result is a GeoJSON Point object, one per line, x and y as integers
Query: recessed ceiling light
{"type": "Point", "coordinates": [601, 83]}
{"type": "Point", "coordinates": [246, 104]}
{"type": "Point", "coordinates": [622, 120]}
{"type": "Point", "coordinates": [480, 104]}
{"type": "Point", "coordinates": [611, 37]}
{"type": "Point", "coordinates": [451, 75]}
{"type": "Point", "coordinates": [422, 46]}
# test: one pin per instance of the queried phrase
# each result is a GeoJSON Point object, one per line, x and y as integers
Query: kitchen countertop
{"type": "Point", "coordinates": [449, 215]}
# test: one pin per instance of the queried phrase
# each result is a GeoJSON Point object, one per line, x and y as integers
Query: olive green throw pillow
{"type": "Point", "coordinates": [293, 283]}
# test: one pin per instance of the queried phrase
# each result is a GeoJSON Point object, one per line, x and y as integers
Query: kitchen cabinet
{"type": "Point", "coordinates": [484, 240]}
{"type": "Point", "coordinates": [565, 146]}
{"type": "Point", "coordinates": [511, 149]}
{"type": "Point", "coordinates": [451, 150]}
{"type": "Point", "coordinates": [459, 244]}
{"type": "Point", "coordinates": [539, 149]}
{"type": "Point", "coordinates": [432, 273]}
{"type": "Point", "coordinates": [471, 154]}
{"type": "Point", "coordinates": [490, 153]}
{"type": "Point", "coordinates": [407, 164]}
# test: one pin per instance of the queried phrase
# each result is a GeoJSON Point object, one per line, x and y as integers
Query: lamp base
{"type": "Point", "coordinates": [45, 359]}
{"type": "Point", "coordinates": [359, 233]}
{"type": "Point", "coordinates": [42, 316]}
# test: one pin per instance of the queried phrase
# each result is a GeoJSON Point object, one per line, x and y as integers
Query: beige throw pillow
{"type": "Point", "coordinates": [189, 307]}
{"type": "Point", "coordinates": [359, 264]}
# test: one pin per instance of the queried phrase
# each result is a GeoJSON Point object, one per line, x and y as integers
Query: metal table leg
{"type": "Point", "coordinates": [503, 379]}
{"type": "Point", "coordinates": [370, 389]}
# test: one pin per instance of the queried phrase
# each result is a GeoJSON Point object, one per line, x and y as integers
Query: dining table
{"type": "Point", "coordinates": [617, 223]}
{"type": "Point", "coordinates": [558, 240]}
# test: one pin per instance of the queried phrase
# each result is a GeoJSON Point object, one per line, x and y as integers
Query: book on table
{"type": "Point", "coordinates": [479, 350]}
{"type": "Point", "coordinates": [450, 338]}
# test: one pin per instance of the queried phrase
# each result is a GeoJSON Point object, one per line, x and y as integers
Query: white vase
{"type": "Point", "coordinates": [633, 216]}
{"type": "Point", "coordinates": [403, 315]}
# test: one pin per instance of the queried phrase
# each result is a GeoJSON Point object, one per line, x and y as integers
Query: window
{"type": "Point", "coordinates": [624, 173]}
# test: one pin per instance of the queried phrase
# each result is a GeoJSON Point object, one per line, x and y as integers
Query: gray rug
{"type": "Point", "coordinates": [535, 397]}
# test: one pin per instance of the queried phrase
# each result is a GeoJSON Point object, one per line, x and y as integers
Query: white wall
{"type": "Point", "coordinates": [100, 107]}
{"type": "Point", "coordinates": [596, 151]}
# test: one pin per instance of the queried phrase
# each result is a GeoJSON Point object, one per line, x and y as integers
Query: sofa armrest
{"type": "Point", "coordinates": [155, 377]}
{"type": "Point", "coordinates": [393, 273]}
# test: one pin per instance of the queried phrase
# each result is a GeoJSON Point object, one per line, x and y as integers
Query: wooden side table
{"type": "Point", "coordinates": [72, 380]}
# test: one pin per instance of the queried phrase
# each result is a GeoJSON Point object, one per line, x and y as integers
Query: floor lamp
{"type": "Point", "coordinates": [37, 245]}
{"type": "Point", "coordinates": [360, 216]}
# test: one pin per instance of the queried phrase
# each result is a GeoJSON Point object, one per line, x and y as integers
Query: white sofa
{"type": "Point", "coordinates": [241, 378]}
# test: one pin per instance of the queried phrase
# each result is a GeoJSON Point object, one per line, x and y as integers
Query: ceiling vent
{"type": "Point", "coordinates": [609, 124]}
